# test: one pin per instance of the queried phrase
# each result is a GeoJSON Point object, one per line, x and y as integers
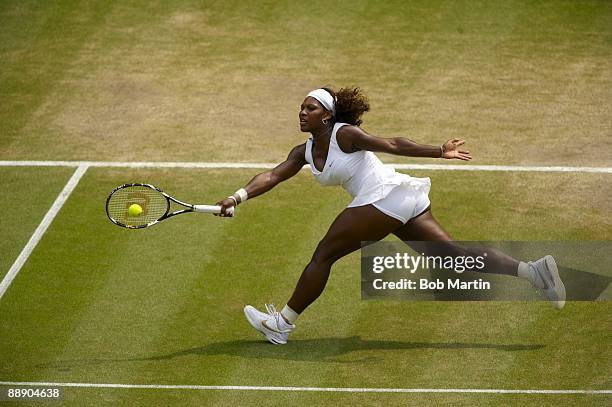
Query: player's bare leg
{"type": "Point", "coordinates": [349, 229]}
{"type": "Point", "coordinates": [425, 235]}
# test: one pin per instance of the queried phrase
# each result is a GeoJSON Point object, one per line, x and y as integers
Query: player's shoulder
{"type": "Point", "coordinates": [298, 153]}
{"type": "Point", "coordinates": [345, 137]}
{"type": "Point", "coordinates": [299, 149]}
{"type": "Point", "coordinates": [348, 129]}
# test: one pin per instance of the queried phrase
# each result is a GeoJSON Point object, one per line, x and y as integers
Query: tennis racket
{"type": "Point", "coordinates": [154, 202]}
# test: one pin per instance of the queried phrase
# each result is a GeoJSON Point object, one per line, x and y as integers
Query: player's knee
{"type": "Point", "coordinates": [325, 253]}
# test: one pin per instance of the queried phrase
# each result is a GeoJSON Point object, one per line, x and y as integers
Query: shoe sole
{"type": "Point", "coordinates": [260, 328]}
{"type": "Point", "coordinates": [558, 284]}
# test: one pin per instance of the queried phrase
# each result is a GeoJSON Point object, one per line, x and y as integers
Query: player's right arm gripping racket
{"type": "Point", "coordinates": [154, 202]}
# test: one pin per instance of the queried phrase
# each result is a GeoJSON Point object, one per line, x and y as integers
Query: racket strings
{"type": "Point", "coordinates": [153, 203]}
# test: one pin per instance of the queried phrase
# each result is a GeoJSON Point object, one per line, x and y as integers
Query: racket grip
{"type": "Point", "coordinates": [210, 209]}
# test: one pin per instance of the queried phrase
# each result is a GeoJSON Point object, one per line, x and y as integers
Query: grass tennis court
{"type": "Point", "coordinates": [526, 83]}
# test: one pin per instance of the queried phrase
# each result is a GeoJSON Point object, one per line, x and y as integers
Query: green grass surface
{"type": "Point", "coordinates": [96, 303]}
{"type": "Point", "coordinates": [525, 82]}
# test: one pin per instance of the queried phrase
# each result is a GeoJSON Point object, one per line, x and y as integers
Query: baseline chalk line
{"type": "Point", "coordinates": [302, 389]}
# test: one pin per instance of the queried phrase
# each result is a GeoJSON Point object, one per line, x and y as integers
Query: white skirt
{"type": "Point", "coordinates": [378, 185]}
{"type": "Point", "coordinates": [404, 203]}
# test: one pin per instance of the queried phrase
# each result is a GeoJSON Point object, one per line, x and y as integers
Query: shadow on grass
{"type": "Point", "coordinates": [325, 349]}
{"type": "Point", "coordinates": [306, 350]}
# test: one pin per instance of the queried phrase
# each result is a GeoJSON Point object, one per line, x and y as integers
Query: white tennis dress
{"type": "Point", "coordinates": [369, 181]}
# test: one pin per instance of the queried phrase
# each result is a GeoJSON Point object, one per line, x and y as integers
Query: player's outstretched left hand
{"type": "Point", "coordinates": [451, 150]}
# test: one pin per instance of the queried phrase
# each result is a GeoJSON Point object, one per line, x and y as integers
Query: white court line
{"type": "Point", "coordinates": [219, 165]}
{"type": "Point", "coordinates": [303, 389]}
{"type": "Point", "coordinates": [41, 229]}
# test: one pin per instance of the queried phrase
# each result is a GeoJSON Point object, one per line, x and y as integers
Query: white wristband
{"type": "Point", "coordinates": [242, 193]}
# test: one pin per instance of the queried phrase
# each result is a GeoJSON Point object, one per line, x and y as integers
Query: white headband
{"type": "Point", "coordinates": [325, 98]}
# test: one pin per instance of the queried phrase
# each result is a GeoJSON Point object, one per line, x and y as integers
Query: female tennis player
{"type": "Point", "coordinates": [339, 152]}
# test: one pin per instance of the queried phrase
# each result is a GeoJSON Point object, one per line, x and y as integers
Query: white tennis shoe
{"type": "Point", "coordinates": [546, 278]}
{"type": "Point", "coordinates": [271, 325]}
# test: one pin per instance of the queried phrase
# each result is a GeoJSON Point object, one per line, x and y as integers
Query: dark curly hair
{"type": "Point", "coordinates": [351, 104]}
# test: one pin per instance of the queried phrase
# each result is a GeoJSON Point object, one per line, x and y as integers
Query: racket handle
{"type": "Point", "coordinates": [210, 209]}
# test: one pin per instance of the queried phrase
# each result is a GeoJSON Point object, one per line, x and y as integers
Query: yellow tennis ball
{"type": "Point", "coordinates": [135, 210]}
